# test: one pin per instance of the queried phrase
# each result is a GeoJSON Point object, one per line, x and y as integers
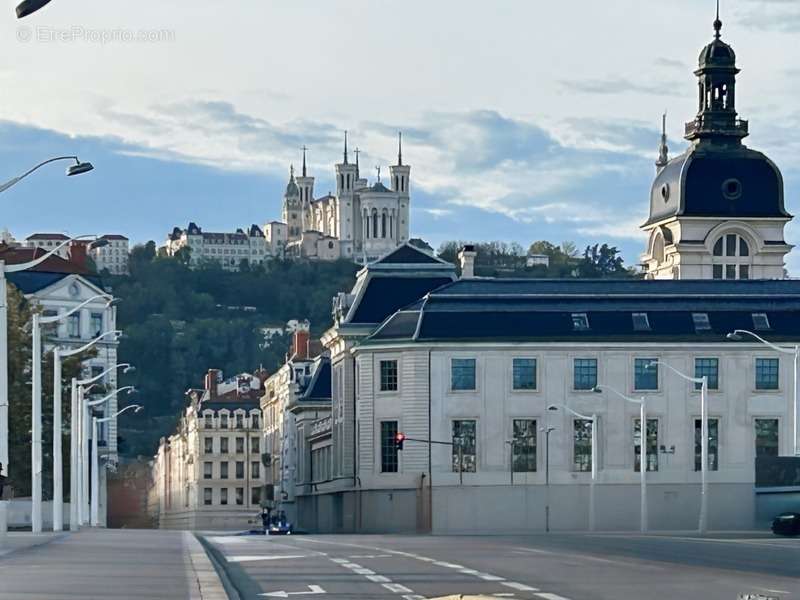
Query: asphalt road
{"type": "Point", "coordinates": [548, 567]}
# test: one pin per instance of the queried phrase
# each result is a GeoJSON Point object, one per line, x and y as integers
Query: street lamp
{"type": "Point", "coordinates": [27, 7]}
{"type": "Point", "coordinates": [95, 468]}
{"type": "Point", "coordinates": [702, 526]}
{"type": "Point", "coordinates": [593, 419]}
{"type": "Point", "coordinates": [36, 409]}
{"type": "Point", "coordinates": [79, 388]}
{"type": "Point", "coordinates": [642, 448]}
{"type": "Point", "coordinates": [77, 169]}
{"type": "Point", "coordinates": [83, 434]}
{"type": "Point", "coordinates": [547, 431]}
{"type": "Point", "coordinates": [736, 336]}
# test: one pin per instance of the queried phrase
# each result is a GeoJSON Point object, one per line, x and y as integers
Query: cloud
{"type": "Point", "coordinates": [776, 15]}
{"type": "Point", "coordinates": [620, 85]}
{"type": "Point", "coordinates": [671, 63]}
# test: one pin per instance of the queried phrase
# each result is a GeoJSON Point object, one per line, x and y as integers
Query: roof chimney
{"type": "Point", "coordinates": [212, 380]}
{"type": "Point", "coordinates": [300, 345]}
{"type": "Point", "coordinates": [466, 257]}
{"type": "Point", "coordinates": [78, 253]}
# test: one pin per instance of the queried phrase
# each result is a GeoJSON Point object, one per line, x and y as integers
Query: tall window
{"type": "Point", "coordinates": [223, 496]}
{"type": "Point", "coordinates": [767, 373]}
{"type": "Point", "coordinates": [223, 420]}
{"type": "Point", "coordinates": [651, 444]}
{"type": "Point", "coordinates": [524, 374]}
{"type": "Point", "coordinates": [239, 421]}
{"type": "Point", "coordinates": [255, 445]}
{"type": "Point", "coordinates": [582, 445]}
{"type": "Point", "coordinates": [239, 469]}
{"type": "Point", "coordinates": [645, 374]}
{"type": "Point", "coordinates": [239, 445]}
{"type": "Point", "coordinates": [584, 373]}
{"type": "Point", "coordinates": [389, 453]}
{"type": "Point", "coordinates": [462, 374]}
{"type": "Point", "coordinates": [223, 470]}
{"type": "Point", "coordinates": [713, 445]}
{"type": "Point", "coordinates": [523, 446]}
{"type": "Point", "coordinates": [208, 470]}
{"type": "Point", "coordinates": [207, 496]}
{"type": "Point", "coordinates": [731, 257]}
{"type": "Point", "coordinates": [255, 469]}
{"type": "Point", "coordinates": [708, 367]}
{"type": "Point", "coordinates": [255, 495]}
{"type": "Point", "coordinates": [388, 375]}
{"type": "Point", "coordinates": [239, 496]}
{"type": "Point", "coordinates": [766, 437]}
{"type": "Point", "coordinates": [255, 421]}
{"type": "Point", "coordinates": [74, 325]}
{"type": "Point", "coordinates": [223, 445]}
{"type": "Point", "coordinates": [464, 448]}
{"type": "Point", "coordinates": [208, 445]}
{"type": "Point", "coordinates": [96, 326]}
{"type": "Point", "coordinates": [208, 421]}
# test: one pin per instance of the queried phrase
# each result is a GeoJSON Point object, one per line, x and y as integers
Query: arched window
{"type": "Point", "coordinates": [383, 224]}
{"type": "Point", "coordinates": [374, 223]}
{"type": "Point", "coordinates": [658, 248]}
{"type": "Point", "coordinates": [731, 257]}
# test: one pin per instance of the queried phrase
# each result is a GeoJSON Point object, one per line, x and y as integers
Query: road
{"type": "Point", "coordinates": [547, 567]}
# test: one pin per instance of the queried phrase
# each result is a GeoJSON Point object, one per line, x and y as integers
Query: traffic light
{"type": "Point", "coordinates": [399, 438]}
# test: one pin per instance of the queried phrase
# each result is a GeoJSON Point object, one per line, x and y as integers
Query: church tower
{"type": "Point", "coordinates": [292, 208]}
{"type": "Point", "coordinates": [305, 186]}
{"type": "Point", "coordinates": [717, 210]}
{"type": "Point", "coordinates": [346, 177]}
{"type": "Point", "coordinates": [400, 175]}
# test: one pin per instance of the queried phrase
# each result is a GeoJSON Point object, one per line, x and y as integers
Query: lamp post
{"type": "Point", "coordinates": [95, 461]}
{"type": "Point", "coordinates": [36, 411]}
{"type": "Point", "coordinates": [94, 484]}
{"type": "Point", "coordinates": [27, 7]}
{"type": "Point", "coordinates": [593, 419]}
{"type": "Point", "coordinates": [642, 450]}
{"type": "Point", "coordinates": [4, 458]}
{"type": "Point", "coordinates": [737, 334]}
{"type": "Point", "coordinates": [77, 169]}
{"type": "Point", "coordinates": [78, 390]}
{"type": "Point", "coordinates": [547, 432]}
{"type": "Point", "coordinates": [702, 525]}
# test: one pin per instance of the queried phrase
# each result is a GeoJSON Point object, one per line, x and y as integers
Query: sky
{"type": "Point", "coordinates": [522, 119]}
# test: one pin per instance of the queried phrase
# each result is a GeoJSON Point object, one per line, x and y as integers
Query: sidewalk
{"type": "Point", "coordinates": [15, 541]}
{"type": "Point", "coordinates": [107, 564]}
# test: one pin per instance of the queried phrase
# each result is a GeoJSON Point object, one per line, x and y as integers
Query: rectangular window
{"type": "Point", "coordinates": [96, 324]}
{"type": "Point", "coordinates": [389, 453]}
{"type": "Point", "coordinates": [239, 445]}
{"type": "Point", "coordinates": [523, 451]}
{"type": "Point", "coordinates": [223, 496]}
{"type": "Point", "coordinates": [701, 322]}
{"type": "Point", "coordinates": [208, 421]}
{"type": "Point", "coordinates": [651, 444]}
{"type": "Point", "coordinates": [223, 420]}
{"type": "Point", "coordinates": [582, 445]}
{"type": "Point", "coordinates": [462, 374]}
{"type": "Point", "coordinates": [708, 367]}
{"type": "Point", "coordinates": [208, 470]}
{"type": "Point", "coordinates": [713, 445]}
{"type": "Point", "coordinates": [464, 448]}
{"type": "Point", "coordinates": [255, 469]}
{"type": "Point", "coordinates": [239, 469]}
{"type": "Point", "coordinates": [640, 322]}
{"type": "Point", "coordinates": [744, 271]}
{"type": "Point", "coordinates": [223, 445]}
{"type": "Point", "coordinates": [255, 421]}
{"type": "Point", "coordinates": [208, 496]}
{"type": "Point", "coordinates": [255, 495]}
{"type": "Point", "coordinates": [239, 496]}
{"type": "Point", "coordinates": [255, 445]}
{"type": "Point", "coordinates": [74, 325]}
{"type": "Point", "coordinates": [239, 421]}
{"type": "Point", "coordinates": [766, 437]}
{"type": "Point", "coordinates": [645, 374]}
{"type": "Point", "coordinates": [524, 374]}
{"type": "Point", "coordinates": [208, 445]}
{"type": "Point", "coordinates": [717, 271]}
{"type": "Point", "coordinates": [388, 375]}
{"type": "Point", "coordinates": [730, 271]}
{"type": "Point", "coordinates": [584, 373]}
{"type": "Point", "coordinates": [766, 373]}
{"type": "Point", "coordinates": [761, 322]}
{"type": "Point", "coordinates": [223, 470]}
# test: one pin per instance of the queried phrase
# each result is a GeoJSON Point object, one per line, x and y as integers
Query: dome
{"type": "Point", "coordinates": [292, 189]}
{"type": "Point", "coordinates": [717, 53]}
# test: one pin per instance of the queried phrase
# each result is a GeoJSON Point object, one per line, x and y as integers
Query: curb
{"type": "Point", "coordinates": [207, 575]}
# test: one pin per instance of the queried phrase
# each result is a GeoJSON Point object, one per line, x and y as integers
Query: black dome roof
{"type": "Point", "coordinates": [717, 53]}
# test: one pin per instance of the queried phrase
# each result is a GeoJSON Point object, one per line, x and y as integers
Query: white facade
{"type": "Point", "coordinates": [48, 241]}
{"type": "Point", "coordinates": [113, 257]}
{"type": "Point", "coordinates": [230, 250]}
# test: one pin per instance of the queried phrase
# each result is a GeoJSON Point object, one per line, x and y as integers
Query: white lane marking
{"type": "Point", "coordinates": [312, 589]}
{"type": "Point", "coordinates": [227, 539]}
{"type": "Point", "coordinates": [775, 591]}
{"type": "Point", "coordinates": [255, 558]}
{"type": "Point", "coordinates": [371, 556]}
{"type": "Point", "coordinates": [489, 577]}
{"type": "Point", "coordinates": [340, 561]}
{"type": "Point", "coordinates": [349, 565]}
{"type": "Point", "coordinates": [378, 579]}
{"type": "Point", "coordinates": [397, 588]}
{"type": "Point", "coordinates": [413, 597]}
{"type": "Point", "coordinates": [363, 571]}
{"type": "Point", "coordinates": [519, 586]}
{"type": "Point", "coordinates": [593, 558]}
{"type": "Point", "coordinates": [448, 565]}
{"type": "Point", "coordinates": [469, 571]}
{"type": "Point", "coordinates": [549, 596]}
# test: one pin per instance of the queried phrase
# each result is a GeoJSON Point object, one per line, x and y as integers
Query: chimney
{"type": "Point", "coordinates": [300, 346]}
{"type": "Point", "coordinates": [78, 254]}
{"type": "Point", "coordinates": [466, 257]}
{"type": "Point", "coordinates": [212, 379]}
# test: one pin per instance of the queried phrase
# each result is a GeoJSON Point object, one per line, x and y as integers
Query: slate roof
{"type": "Point", "coordinates": [319, 389]}
{"type": "Point", "coordinates": [541, 310]}
{"type": "Point", "coordinates": [384, 295]}
{"type": "Point", "coordinates": [409, 255]}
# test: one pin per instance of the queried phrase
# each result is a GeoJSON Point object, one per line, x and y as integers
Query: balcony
{"type": "Point", "coordinates": [707, 125]}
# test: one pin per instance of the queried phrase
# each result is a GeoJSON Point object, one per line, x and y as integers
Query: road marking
{"type": "Point", "coordinates": [349, 565]}
{"type": "Point", "coordinates": [371, 556]}
{"type": "Point", "coordinates": [378, 579]}
{"type": "Point", "coordinates": [397, 588]}
{"type": "Point", "coordinates": [489, 577]}
{"type": "Point", "coordinates": [312, 589]}
{"type": "Point", "coordinates": [775, 591]}
{"type": "Point", "coordinates": [227, 539]}
{"type": "Point", "coordinates": [549, 596]}
{"type": "Point", "coordinates": [519, 586]}
{"type": "Point", "coordinates": [413, 597]}
{"type": "Point", "coordinates": [469, 571]}
{"type": "Point", "coordinates": [448, 565]}
{"type": "Point", "coordinates": [255, 558]}
{"type": "Point", "coordinates": [340, 561]}
{"type": "Point", "coordinates": [363, 571]}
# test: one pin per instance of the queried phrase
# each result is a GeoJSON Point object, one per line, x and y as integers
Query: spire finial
{"type": "Point", "coordinates": [663, 149]}
{"type": "Point", "coordinates": [400, 148]}
{"type": "Point", "coordinates": [357, 152]}
{"type": "Point", "coordinates": [291, 171]}
{"type": "Point", "coordinates": [717, 24]}
{"type": "Point", "coordinates": [345, 146]}
{"type": "Point", "coordinates": [304, 160]}
{"type": "Point", "coordinates": [378, 168]}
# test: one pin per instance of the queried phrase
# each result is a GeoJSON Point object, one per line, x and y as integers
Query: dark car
{"type": "Point", "coordinates": [786, 524]}
{"type": "Point", "coordinates": [280, 525]}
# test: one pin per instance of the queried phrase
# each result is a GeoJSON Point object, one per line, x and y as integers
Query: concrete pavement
{"type": "Point", "coordinates": [109, 564]}
{"type": "Point", "coordinates": [546, 567]}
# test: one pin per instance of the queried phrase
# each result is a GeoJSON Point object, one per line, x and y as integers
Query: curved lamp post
{"type": "Point", "coordinates": [702, 525]}
{"type": "Point", "coordinates": [736, 336]}
{"type": "Point", "coordinates": [95, 501]}
{"type": "Point", "coordinates": [642, 448]}
{"type": "Point", "coordinates": [77, 169]}
{"type": "Point", "coordinates": [27, 7]}
{"type": "Point", "coordinates": [593, 419]}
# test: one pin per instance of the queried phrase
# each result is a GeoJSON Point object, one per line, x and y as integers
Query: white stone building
{"type": "Point", "coordinates": [209, 473]}
{"type": "Point", "coordinates": [230, 250]}
{"type": "Point", "coordinates": [113, 257]}
{"type": "Point", "coordinates": [48, 241]}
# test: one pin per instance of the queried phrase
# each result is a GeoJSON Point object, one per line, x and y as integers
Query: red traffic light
{"type": "Point", "coordinates": [399, 438]}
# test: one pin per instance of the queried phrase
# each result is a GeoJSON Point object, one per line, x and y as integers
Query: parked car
{"type": "Point", "coordinates": [280, 525]}
{"type": "Point", "coordinates": [786, 524]}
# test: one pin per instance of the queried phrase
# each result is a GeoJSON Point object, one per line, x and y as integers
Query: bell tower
{"type": "Point", "coordinates": [400, 175]}
{"type": "Point", "coordinates": [305, 185]}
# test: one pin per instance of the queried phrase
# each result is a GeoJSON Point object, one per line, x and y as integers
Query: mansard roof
{"type": "Point", "coordinates": [319, 388]}
{"type": "Point", "coordinates": [498, 310]}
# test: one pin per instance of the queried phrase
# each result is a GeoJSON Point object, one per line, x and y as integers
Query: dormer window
{"type": "Point", "coordinates": [761, 322]}
{"type": "Point", "coordinates": [731, 257]}
{"type": "Point", "coordinates": [701, 322]}
{"type": "Point", "coordinates": [640, 322]}
{"type": "Point", "coordinates": [580, 322]}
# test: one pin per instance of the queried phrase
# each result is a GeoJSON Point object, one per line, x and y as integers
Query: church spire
{"type": "Point", "coordinates": [663, 149]}
{"type": "Point", "coordinates": [400, 148]}
{"type": "Point", "coordinates": [357, 152]}
{"type": "Point", "coordinates": [305, 174]}
{"type": "Point", "coordinates": [717, 24]}
{"type": "Point", "coordinates": [345, 146]}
